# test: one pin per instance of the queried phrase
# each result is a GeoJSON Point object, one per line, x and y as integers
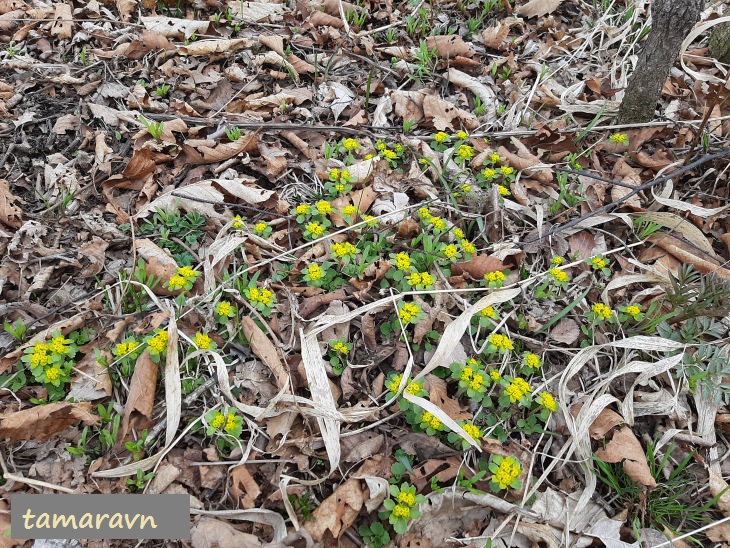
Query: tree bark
{"type": "Point", "coordinates": [671, 22]}
{"type": "Point", "coordinates": [720, 42]}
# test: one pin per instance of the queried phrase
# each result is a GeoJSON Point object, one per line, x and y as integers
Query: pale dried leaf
{"type": "Point", "coordinates": [538, 8]}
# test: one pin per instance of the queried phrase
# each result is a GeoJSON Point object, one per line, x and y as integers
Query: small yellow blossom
{"type": "Point", "coordinates": [547, 400]}
{"type": "Point", "coordinates": [380, 145]}
{"type": "Point", "coordinates": [466, 374]}
{"type": "Point", "coordinates": [59, 345]}
{"type": "Point", "coordinates": [409, 312]}
{"type": "Point", "coordinates": [369, 156]}
{"type": "Point", "coordinates": [340, 347]}
{"type": "Point", "coordinates": [494, 158]}
{"type": "Point", "coordinates": [349, 210]}
{"type": "Point", "coordinates": [440, 137]}
{"type": "Point", "coordinates": [489, 173]}
{"type": "Point", "coordinates": [224, 308]}
{"type": "Point", "coordinates": [340, 187]}
{"type": "Point", "coordinates": [414, 278]}
{"type": "Point", "coordinates": [517, 389]}
{"type": "Point", "coordinates": [389, 154]}
{"type": "Point", "coordinates": [598, 263]}
{"type": "Point", "coordinates": [401, 511]}
{"type": "Point", "coordinates": [231, 423]}
{"type": "Point", "coordinates": [218, 420]}
{"type": "Point", "coordinates": [558, 275]}
{"type": "Point", "coordinates": [424, 213]}
{"type": "Point", "coordinates": [633, 310]}
{"type": "Point", "coordinates": [450, 251]}
{"type": "Point", "coordinates": [506, 170]}
{"type": "Point", "coordinates": [438, 223]}
{"type": "Point", "coordinates": [124, 348]}
{"type": "Point", "coordinates": [465, 152]}
{"type": "Point", "coordinates": [503, 190]}
{"type": "Point", "coordinates": [402, 261]}
{"type": "Point", "coordinates": [350, 144]}
{"type": "Point", "coordinates": [494, 277]}
{"type": "Point", "coordinates": [473, 431]}
{"type": "Point", "coordinates": [413, 389]}
{"type": "Point", "coordinates": [187, 272]}
{"type": "Point", "coordinates": [468, 247]}
{"type": "Point", "coordinates": [334, 173]}
{"type": "Point", "coordinates": [619, 138]}
{"type": "Point", "coordinates": [158, 343]}
{"type": "Point", "coordinates": [395, 383]}
{"type": "Point", "coordinates": [494, 375]}
{"type": "Point", "coordinates": [488, 312]}
{"type": "Point", "coordinates": [342, 249]}
{"type": "Point", "coordinates": [315, 229]}
{"type": "Point", "coordinates": [399, 148]}
{"type": "Point", "coordinates": [324, 207]}
{"type": "Point", "coordinates": [462, 135]}
{"type": "Point", "coordinates": [431, 421]}
{"type": "Point", "coordinates": [465, 188]}
{"type": "Point", "coordinates": [303, 209]}
{"type": "Point", "coordinates": [532, 360]}
{"type": "Point", "coordinates": [202, 341]}
{"type": "Point", "coordinates": [315, 272]}
{"type": "Point", "coordinates": [502, 342]}
{"type": "Point", "coordinates": [557, 261]}
{"type": "Point", "coordinates": [602, 311]}
{"type": "Point", "coordinates": [260, 228]}
{"type": "Point", "coordinates": [426, 279]}
{"type": "Point", "coordinates": [345, 175]}
{"type": "Point", "coordinates": [53, 373]}
{"type": "Point", "coordinates": [237, 222]}
{"type": "Point", "coordinates": [409, 499]}
{"type": "Point", "coordinates": [477, 382]}
{"type": "Point", "coordinates": [508, 471]}
{"type": "Point", "coordinates": [458, 233]}
{"type": "Point", "coordinates": [177, 282]}
{"type": "Point", "coordinates": [263, 296]}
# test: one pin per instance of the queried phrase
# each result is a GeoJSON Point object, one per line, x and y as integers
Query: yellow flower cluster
{"type": "Point", "coordinates": [218, 420]}
{"type": "Point", "coordinates": [477, 382]}
{"type": "Point", "coordinates": [601, 311]}
{"type": "Point", "coordinates": [557, 261]}
{"type": "Point", "coordinates": [440, 137]}
{"type": "Point", "coordinates": [202, 341]}
{"type": "Point", "coordinates": [401, 511]}
{"type": "Point", "coordinates": [466, 374]}
{"type": "Point", "coordinates": [489, 173]}
{"type": "Point", "coordinates": [350, 144]}
{"type": "Point", "coordinates": [340, 347]}
{"type": "Point", "coordinates": [468, 247]}
{"type": "Point", "coordinates": [506, 170]}
{"type": "Point", "coordinates": [303, 209]}
{"type": "Point", "coordinates": [315, 229]}
{"type": "Point", "coordinates": [547, 400]}
{"type": "Point", "coordinates": [532, 360]}
{"type": "Point", "coordinates": [437, 223]}
{"type": "Point", "coordinates": [402, 261]}
{"type": "Point", "coordinates": [503, 190]}
{"type": "Point", "coordinates": [224, 308]}
{"type": "Point", "coordinates": [422, 278]}
{"type": "Point", "coordinates": [349, 210]}
{"type": "Point", "coordinates": [494, 375]}
{"type": "Point", "coordinates": [184, 275]}
{"type": "Point", "coordinates": [324, 207]}
{"type": "Point", "coordinates": [599, 262]}
{"type": "Point", "coordinates": [40, 357]}
{"type": "Point", "coordinates": [314, 271]}
{"type": "Point", "coordinates": [342, 249]}
{"type": "Point", "coordinates": [395, 383]}
{"type": "Point", "coordinates": [335, 173]}
{"type": "Point", "coordinates": [496, 276]}
{"type": "Point", "coordinates": [158, 343]}
{"type": "Point", "coordinates": [424, 213]}
{"type": "Point", "coordinates": [474, 432]}
{"type": "Point", "coordinates": [517, 389]}
{"type": "Point", "coordinates": [431, 421]}
{"type": "Point", "coordinates": [461, 135]}
{"type": "Point", "coordinates": [237, 222]}
{"type": "Point", "coordinates": [53, 373]}
{"type": "Point", "coordinates": [260, 228]}
{"type": "Point", "coordinates": [389, 154]}
{"type": "Point", "coordinates": [59, 345]}
{"type": "Point", "coordinates": [458, 233]}
{"type": "Point", "coordinates": [465, 152]}
{"type": "Point", "coordinates": [263, 296]}
{"type": "Point", "coordinates": [633, 310]}
{"type": "Point", "coordinates": [558, 275]}
{"type": "Point", "coordinates": [450, 251]}
{"type": "Point", "coordinates": [620, 138]}
{"type": "Point", "coordinates": [508, 471]}
{"type": "Point", "coordinates": [502, 342]}
{"type": "Point", "coordinates": [124, 348]}
{"type": "Point", "coordinates": [488, 312]}
{"type": "Point", "coordinates": [409, 312]}
{"type": "Point", "coordinates": [405, 497]}
{"type": "Point", "coordinates": [414, 388]}
{"type": "Point", "coordinates": [231, 422]}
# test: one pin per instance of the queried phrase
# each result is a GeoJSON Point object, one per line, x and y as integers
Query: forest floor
{"type": "Point", "coordinates": [374, 274]}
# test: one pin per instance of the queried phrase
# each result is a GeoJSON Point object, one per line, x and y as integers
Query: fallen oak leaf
{"type": "Point", "coordinates": [141, 397]}
{"type": "Point", "coordinates": [42, 422]}
{"type": "Point", "coordinates": [625, 448]}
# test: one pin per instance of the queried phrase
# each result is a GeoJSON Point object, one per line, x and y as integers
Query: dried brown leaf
{"type": "Point", "coordinates": [10, 214]}
{"type": "Point", "coordinates": [566, 331]}
{"type": "Point", "coordinates": [42, 422]}
{"type": "Point", "coordinates": [626, 449]}
{"type": "Point", "coordinates": [538, 8]}
{"type": "Point", "coordinates": [449, 46]}
{"type": "Point", "coordinates": [244, 488]}
{"type": "Point", "coordinates": [265, 350]}
{"type": "Point", "coordinates": [141, 397]}
{"type": "Point", "coordinates": [62, 27]}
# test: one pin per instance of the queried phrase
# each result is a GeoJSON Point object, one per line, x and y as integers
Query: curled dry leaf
{"type": "Point", "coordinates": [525, 161]}
{"type": "Point", "coordinates": [690, 254]}
{"type": "Point", "coordinates": [171, 27]}
{"type": "Point", "coordinates": [478, 266]}
{"type": "Point", "coordinates": [141, 397]}
{"type": "Point", "coordinates": [10, 214]}
{"type": "Point", "coordinates": [626, 449]}
{"type": "Point", "coordinates": [210, 47]}
{"type": "Point", "coordinates": [566, 331]}
{"type": "Point", "coordinates": [604, 423]}
{"type": "Point", "coordinates": [159, 264]}
{"type": "Point", "coordinates": [212, 532]}
{"type": "Point", "coordinates": [265, 350]}
{"type": "Point", "coordinates": [42, 422]}
{"type": "Point", "coordinates": [449, 46]}
{"type": "Point", "coordinates": [538, 8]}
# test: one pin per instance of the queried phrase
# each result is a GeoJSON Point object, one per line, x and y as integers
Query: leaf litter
{"type": "Point", "coordinates": [350, 260]}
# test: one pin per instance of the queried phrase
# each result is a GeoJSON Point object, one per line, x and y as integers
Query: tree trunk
{"type": "Point", "coordinates": [671, 22]}
{"type": "Point", "coordinates": [720, 42]}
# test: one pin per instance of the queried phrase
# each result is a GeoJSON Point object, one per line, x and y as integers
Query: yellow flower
{"type": "Point", "coordinates": [465, 152]}
{"type": "Point", "coordinates": [466, 374]}
{"type": "Point", "coordinates": [506, 170]}
{"type": "Point", "coordinates": [508, 471]}
{"type": "Point", "coordinates": [502, 342]}
{"type": "Point", "coordinates": [620, 138]}
{"type": "Point", "coordinates": [340, 347]}
{"type": "Point", "coordinates": [409, 499]}
{"type": "Point", "coordinates": [488, 312]}
{"type": "Point", "coordinates": [224, 308]}
{"type": "Point", "coordinates": [450, 251]}
{"type": "Point", "coordinates": [633, 310]}
{"type": "Point", "coordinates": [53, 373]}
{"type": "Point", "coordinates": [458, 233]}
{"type": "Point", "coordinates": [494, 375]}
{"type": "Point", "coordinates": [349, 210]}
{"type": "Point", "coordinates": [380, 145]}
{"type": "Point", "coordinates": [440, 137]}
{"type": "Point", "coordinates": [532, 360]}
{"type": "Point", "coordinates": [177, 282]}
{"type": "Point", "coordinates": [424, 213]}
{"type": "Point", "coordinates": [324, 207]}
{"type": "Point", "coordinates": [503, 190]}
{"type": "Point", "coordinates": [517, 389]}
{"type": "Point", "coordinates": [369, 156]}
{"type": "Point", "coordinates": [158, 343]}
{"type": "Point", "coordinates": [431, 421]}
{"type": "Point", "coordinates": [477, 383]}
{"type": "Point", "coordinates": [547, 400]}
{"type": "Point", "coordinates": [414, 388]}
{"type": "Point", "coordinates": [427, 279]}
{"type": "Point", "coordinates": [39, 359]}
{"type": "Point", "coordinates": [263, 296]}
{"type": "Point", "coordinates": [350, 144]}
{"type": "Point", "coordinates": [399, 148]}
{"type": "Point", "coordinates": [124, 348]}
{"type": "Point", "coordinates": [462, 135]}
{"type": "Point", "coordinates": [489, 173]}
{"type": "Point", "coordinates": [496, 276]}
{"type": "Point", "coordinates": [468, 247]}
{"type": "Point", "coordinates": [598, 263]}
{"type": "Point", "coordinates": [389, 154]}
{"type": "Point", "coordinates": [59, 345]}
{"type": "Point", "coordinates": [342, 249]}
{"type": "Point", "coordinates": [202, 341]}
{"type": "Point", "coordinates": [494, 158]}
{"type": "Point", "coordinates": [465, 188]}
{"type": "Point", "coordinates": [601, 311]}
{"type": "Point", "coordinates": [402, 512]}
{"type": "Point", "coordinates": [474, 432]}
{"type": "Point", "coordinates": [395, 383]}
{"type": "Point", "coordinates": [260, 228]}
{"type": "Point", "coordinates": [438, 223]}
{"type": "Point", "coordinates": [315, 272]}
{"type": "Point", "coordinates": [231, 423]}
{"type": "Point", "coordinates": [315, 229]}
{"type": "Point", "coordinates": [334, 173]}
{"type": "Point", "coordinates": [345, 175]}
{"type": "Point", "coordinates": [558, 275]}
{"type": "Point", "coordinates": [237, 222]}
{"type": "Point", "coordinates": [370, 220]}
{"type": "Point", "coordinates": [409, 312]}
{"type": "Point", "coordinates": [402, 261]}
{"type": "Point", "coordinates": [187, 272]}
{"type": "Point", "coordinates": [557, 261]}
{"type": "Point", "coordinates": [218, 420]}
{"type": "Point", "coordinates": [303, 209]}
